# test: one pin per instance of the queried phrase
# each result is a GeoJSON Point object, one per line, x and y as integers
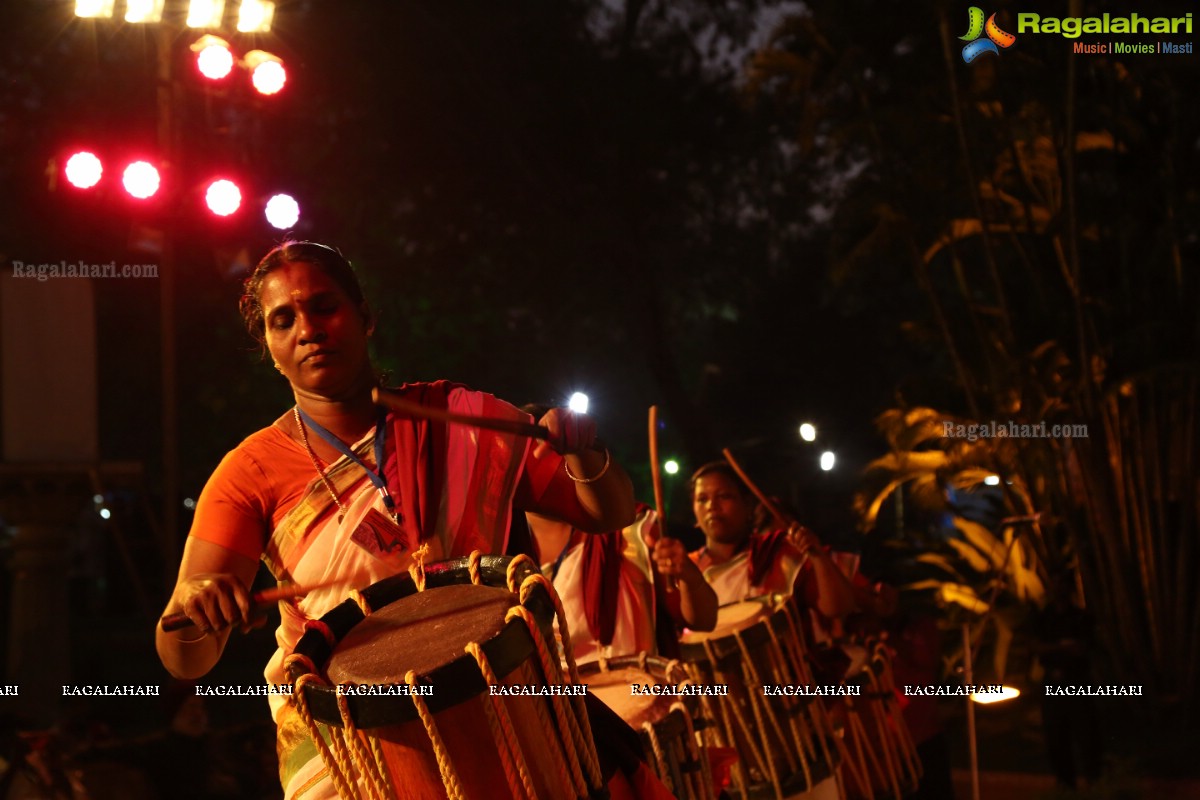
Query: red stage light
{"type": "Point", "coordinates": [83, 170]}
{"type": "Point", "coordinates": [214, 59]}
{"type": "Point", "coordinates": [141, 179]}
{"type": "Point", "coordinates": [223, 197]}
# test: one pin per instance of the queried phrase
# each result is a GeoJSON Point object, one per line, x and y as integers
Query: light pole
{"type": "Point", "coordinates": [253, 16]}
{"type": "Point", "coordinates": [170, 399]}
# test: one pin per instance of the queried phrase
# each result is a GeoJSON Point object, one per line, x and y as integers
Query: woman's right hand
{"type": "Point", "coordinates": [212, 591]}
{"type": "Point", "coordinates": [214, 601]}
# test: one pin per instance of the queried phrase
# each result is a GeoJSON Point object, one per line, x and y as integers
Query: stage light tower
{"type": "Point", "coordinates": [254, 16]}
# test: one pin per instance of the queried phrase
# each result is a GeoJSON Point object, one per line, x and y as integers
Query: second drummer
{"type": "Point", "coordinates": [740, 565]}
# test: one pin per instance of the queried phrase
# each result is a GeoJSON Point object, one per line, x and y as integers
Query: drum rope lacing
{"type": "Point", "coordinates": [499, 722]}
{"type": "Point", "coordinates": [660, 759]}
{"type": "Point", "coordinates": [695, 753]}
{"type": "Point", "coordinates": [781, 675]}
{"type": "Point", "coordinates": [416, 569]}
{"type": "Point", "coordinates": [377, 777]}
{"type": "Point", "coordinates": [710, 735]}
{"type": "Point", "coordinates": [821, 717]}
{"type": "Point", "coordinates": [338, 769]}
{"type": "Point", "coordinates": [731, 739]}
{"type": "Point", "coordinates": [512, 759]}
{"type": "Point", "coordinates": [445, 765]}
{"type": "Point", "coordinates": [359, 600]}
{"type": "Point", "coordinates": [572, 710]}
{"type": "Point", "coordinates": [675, 673]}
{"type": "Point", "coordinates": [565, 715]}
{"type": "Point", "coordinates": [860, 748]}
{"type": "Point", "coordinates": [748, 671]}
{"type": "Point", "coordinates": [899, 752]}
{"type": "Point", "coordinates": [345, 754]}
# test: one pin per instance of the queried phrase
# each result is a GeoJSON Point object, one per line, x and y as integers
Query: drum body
{"type": "Point", "coordinates": [669, 726]}
{"type": "Point", "coordinates": [408, 688]}
{"type": "Point", "coordinates": [785, 742]}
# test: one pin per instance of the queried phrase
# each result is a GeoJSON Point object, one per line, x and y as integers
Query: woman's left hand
{"type": "Point", "coordinates": [570, 433]}
{"type": "Point", "coordinates": [805, 541]}
{"type": "Point", "coordinates": [670, 557]}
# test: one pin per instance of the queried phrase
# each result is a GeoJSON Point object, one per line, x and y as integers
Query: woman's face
{"type": "Point", "coordinates": [723, 513]}
{"type": "Point", "coordinates": [315, 333]}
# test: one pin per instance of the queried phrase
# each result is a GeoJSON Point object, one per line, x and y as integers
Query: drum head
{"type": "Point", "coordinates": [422, 632]}
{"type": "Point", "coordinates": [613, 689]}
{"type": "Point", "coordinates": [731, 618]}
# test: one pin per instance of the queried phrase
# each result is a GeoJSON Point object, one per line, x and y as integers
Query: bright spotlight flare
{"type": "Point", "coordinates": [827, 460]}
{"type": "Point", "coordinates": [214, 57]}
{"type": "Point", "coordinates": [808, 432]}
{"type": "Point", "coordinates": [671, 466]}
{"type": "Point", "coordinates": [254, 16]}
{"type": "Point", "coordinates": [223, 197]}
{"type": "Point", "coordinates": [987, 698]}
{"type": "Point", "coordinates": [93, 9]}
{"type": "Point", "coordinates": [578, 403]}
{"type": "Point", "coordinates": [84, 170]}
{"type": "Point", "coordinates": [205, 13]}
{"type": "Point", "coordinates": [282, 211]}
{"type": "Point", "coordinates": [144, 11]}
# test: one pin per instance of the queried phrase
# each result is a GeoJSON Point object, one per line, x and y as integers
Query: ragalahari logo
{"type": "Point", "coordinates": [976, 27]}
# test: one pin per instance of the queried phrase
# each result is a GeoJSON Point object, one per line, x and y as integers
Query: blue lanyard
{"type": "Point", "coordinates": [561, 556]}
{"type": "Point", "coordinates": [375, 475]}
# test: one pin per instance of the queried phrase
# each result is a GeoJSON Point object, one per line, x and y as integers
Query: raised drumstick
{"type": "Point", "coordinates": [395, 402]}
{"type": "Point", "coordinates": [771, 508]}
{"type": "Point", "coordinates": [656, 479]}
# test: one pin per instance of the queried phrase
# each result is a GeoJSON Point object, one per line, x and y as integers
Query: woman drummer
{"type": "Point", "coordinates": [338, 494]}
{"type": "Point", "coordinates": [740, 565]}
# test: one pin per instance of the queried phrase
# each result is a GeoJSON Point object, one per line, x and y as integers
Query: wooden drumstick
{"type": "Point", "coordinates": [771, 508]}
{"type": "Point", "coordinates": [263, 599]}
{"type": "Point", "coordinates": [395, 402]}
{"type": "Point", "coordinates": [656, 479]}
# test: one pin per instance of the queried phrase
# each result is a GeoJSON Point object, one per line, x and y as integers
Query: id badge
{"type": "Point", "coordinates": [379, 536]}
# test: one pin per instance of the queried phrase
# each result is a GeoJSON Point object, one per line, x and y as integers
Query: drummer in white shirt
{"type": "Point", "coordinates": [739, 564]}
